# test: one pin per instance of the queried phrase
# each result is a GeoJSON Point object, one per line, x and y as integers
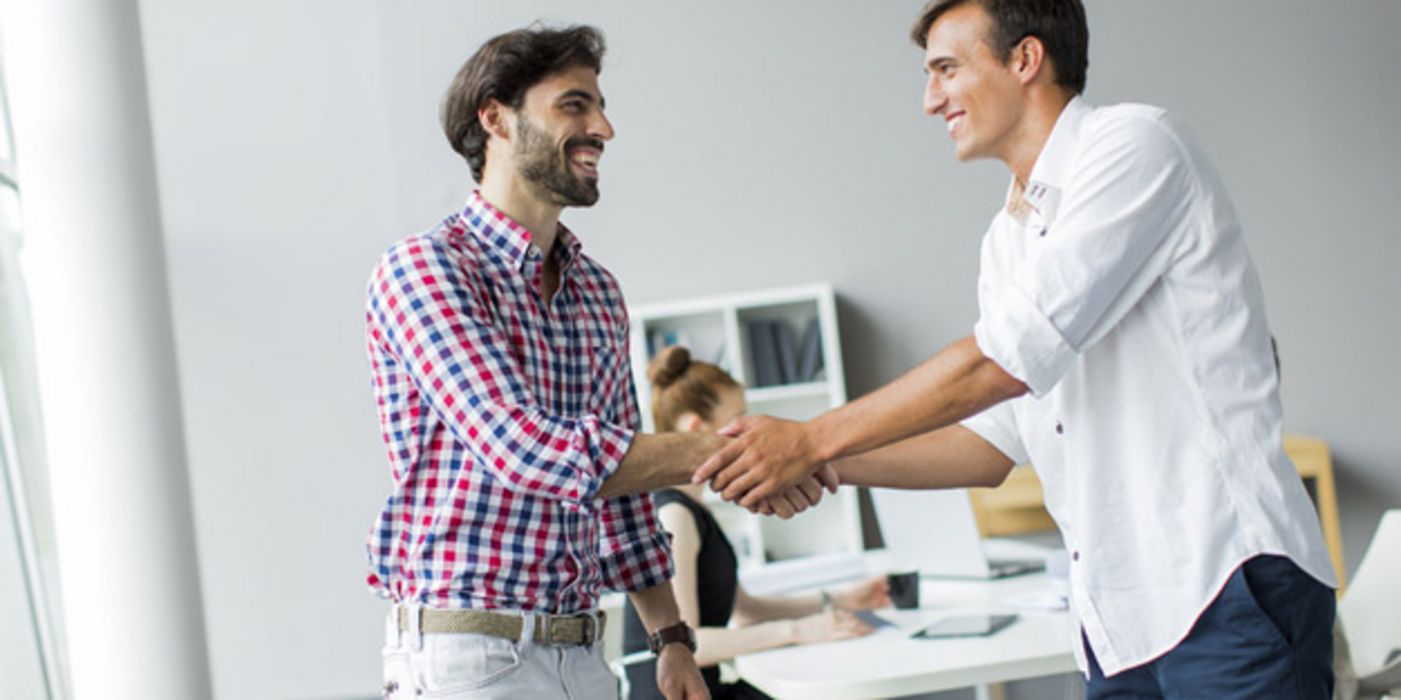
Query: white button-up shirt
{"type": "Point", "coordinates": [1118, 288]}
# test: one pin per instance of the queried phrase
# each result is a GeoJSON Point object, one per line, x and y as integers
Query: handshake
{"type": "Point", "coordinates": [769, 466]}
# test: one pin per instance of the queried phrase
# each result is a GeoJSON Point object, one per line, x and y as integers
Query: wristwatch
{"type": "Point", "coordinates": [677, 633]}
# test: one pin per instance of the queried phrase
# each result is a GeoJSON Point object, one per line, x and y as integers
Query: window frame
{"type": "Point", "coordinates": [18, 392]}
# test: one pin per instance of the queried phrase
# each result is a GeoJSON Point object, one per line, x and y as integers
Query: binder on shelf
{"type": "Point", "coordinates": [763, 353]}
{"type": "Point", "coordinates": [810, 358]}
{"type": "Point", "coordinates": [787, 352]}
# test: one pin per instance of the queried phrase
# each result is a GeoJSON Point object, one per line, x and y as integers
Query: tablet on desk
{"type": "Point", "coordinates": [872, 619]}
{"type": "Point", "coordinates": [965, 626]}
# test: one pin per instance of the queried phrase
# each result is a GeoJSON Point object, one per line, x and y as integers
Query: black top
{"type": "Point", "coordinates": [716, 582]}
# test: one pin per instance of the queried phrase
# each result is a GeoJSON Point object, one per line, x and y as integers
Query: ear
{"type": "Point", "coordinates": [1028, 59]}
{"type": "Point", "coordinates": [493, 118]}
{"type": "Point", "coordinates": [689, 422]}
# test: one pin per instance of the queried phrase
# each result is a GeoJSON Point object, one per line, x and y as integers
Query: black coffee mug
{"type": "Point", "coordinates": [904, 589]}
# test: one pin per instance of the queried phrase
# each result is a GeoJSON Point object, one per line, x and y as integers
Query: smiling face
{"type": "Point", "coordinates": [978, 95]}
{"type": "Point", "coordinates": [560, 130]}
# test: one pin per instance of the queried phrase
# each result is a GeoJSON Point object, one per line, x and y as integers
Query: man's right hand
{"type": "Point", "coordinates": [769, 456]}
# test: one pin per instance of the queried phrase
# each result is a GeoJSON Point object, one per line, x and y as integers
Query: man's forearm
{"type": "Point", "coordinates": [657, 461]}
{"type": "Point", "coordinates": [656, 606]}
{"type": "Point", "coordinates": [952, 457]}
{"type": "Point", "coordinates": [956, 383]}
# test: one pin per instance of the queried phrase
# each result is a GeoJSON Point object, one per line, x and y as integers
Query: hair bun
{"type": "Point", "coordinates": [668, 366]}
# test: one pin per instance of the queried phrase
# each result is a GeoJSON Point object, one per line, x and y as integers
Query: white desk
{"type": "Point", "coordinates": [889, 663]}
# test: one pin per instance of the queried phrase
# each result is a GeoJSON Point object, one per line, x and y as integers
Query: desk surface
{"type": "Point", "coordinates": [889, 663]}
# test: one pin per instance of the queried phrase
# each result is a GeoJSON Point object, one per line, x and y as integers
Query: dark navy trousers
{"type": "Point", "coordinates": [1268, 634]}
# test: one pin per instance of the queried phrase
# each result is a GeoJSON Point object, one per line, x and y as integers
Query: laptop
{"type": "Point", "coordinates": [935, 532]}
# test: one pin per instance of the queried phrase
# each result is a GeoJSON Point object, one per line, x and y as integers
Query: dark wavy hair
{"type": "Point", "coordinates": [1059, 24]}
{"type": "Point", "coordinates": [503, 69]}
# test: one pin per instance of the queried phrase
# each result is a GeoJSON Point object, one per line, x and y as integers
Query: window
{"type": "Point", "coordinates": [28, 571]}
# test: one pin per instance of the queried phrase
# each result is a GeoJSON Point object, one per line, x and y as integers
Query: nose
{"type": "Point", "coordinates": [599, 127]}
{"type": "Point", "coordinates": [934, 97]}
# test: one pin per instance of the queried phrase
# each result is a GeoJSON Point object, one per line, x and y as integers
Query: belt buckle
{"type": "Point", "coordinates": [590, 628]}
{"type": "Point", "coordinates": [545, 633]}
{"type": "Point", "coordinates": [548, 636]}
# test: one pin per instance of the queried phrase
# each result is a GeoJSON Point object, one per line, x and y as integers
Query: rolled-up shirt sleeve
{"type": "Point", "coordinates": [635, 551]}
{"type": "Point", "coordinates": [1109, 243]}
{"type": "Point", "coordinates": [424, 312]}
{"type": "Point", "coordinates": [997, 424]}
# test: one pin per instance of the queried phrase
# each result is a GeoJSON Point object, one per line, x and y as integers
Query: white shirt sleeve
{"type": "Point", "coordinates": [1126, 196]}
{"type": "Point", "coordinates": [998, 425]}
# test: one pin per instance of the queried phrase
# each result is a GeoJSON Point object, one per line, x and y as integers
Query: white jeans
{"type": "Point", "coordinates": [479, 667]}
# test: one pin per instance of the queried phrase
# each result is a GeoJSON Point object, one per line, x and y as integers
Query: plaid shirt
{"type": "Point", "coordinates": [503, 414]}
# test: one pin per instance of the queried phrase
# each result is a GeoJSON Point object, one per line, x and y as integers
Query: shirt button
{"type": "Point", "coordinates": [1043, 232]}
{"type": "Point", "coordinates": [1075, 555]}
{"type": "Point", "coordinates": [1060, 429]}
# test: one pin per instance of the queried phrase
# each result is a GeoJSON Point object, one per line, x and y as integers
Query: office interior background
{"type": "Point", "coordinates": [758, 145]}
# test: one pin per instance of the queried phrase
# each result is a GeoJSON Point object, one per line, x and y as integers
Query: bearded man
{"type": "Point", "coordinates": [501, 371]}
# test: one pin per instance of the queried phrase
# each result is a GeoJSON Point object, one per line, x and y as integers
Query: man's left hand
{"type": "Point", "coordinates": [678, 677]}
{"type": "Point", "coordinates": [768, 456]}
{"type": "Point", "coordinates": [807, 494]}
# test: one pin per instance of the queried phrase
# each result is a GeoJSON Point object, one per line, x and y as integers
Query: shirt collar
{"type": "Point", "coordinates": [1048, 176]}
{"type": "Point", "coordinates": [508, 237]}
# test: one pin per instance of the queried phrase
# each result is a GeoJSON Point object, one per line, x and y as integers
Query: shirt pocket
{"type": "Point", "coordinates": [603, 381]}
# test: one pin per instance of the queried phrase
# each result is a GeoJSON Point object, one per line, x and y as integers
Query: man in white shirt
{"type": "Point", "coordinates": [1116, 290]}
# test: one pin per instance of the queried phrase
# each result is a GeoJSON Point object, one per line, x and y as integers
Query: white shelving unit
{"type": "Point", "coordinates": [718, 329]}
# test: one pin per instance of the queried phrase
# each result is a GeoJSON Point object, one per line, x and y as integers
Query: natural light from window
{"type": "Point", "coordinates": [27, 639]}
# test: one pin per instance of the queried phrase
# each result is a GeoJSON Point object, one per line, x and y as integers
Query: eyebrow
{"type": "Point", "coordinates": [584, 95]}
{"type": "Point", "coordinates": [938, 62]}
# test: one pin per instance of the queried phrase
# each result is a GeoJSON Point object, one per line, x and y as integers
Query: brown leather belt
{"type": "Point", "coordinates": [583, 629]}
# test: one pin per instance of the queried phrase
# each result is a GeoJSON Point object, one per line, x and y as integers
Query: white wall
{"type": "Point", "coordinates": [272, 152]}
{"type": "Point", "coordinates": [758, 144]}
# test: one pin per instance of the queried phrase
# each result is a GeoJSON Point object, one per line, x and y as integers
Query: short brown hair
{"type": "Point", "coordinates": [1059, 24]}
{"type": "Point", "coordinates": [681, 385]}
{"type": "Point", "coordinates": [503, 69]}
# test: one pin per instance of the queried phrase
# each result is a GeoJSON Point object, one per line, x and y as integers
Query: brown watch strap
{"type": "Point", "coordinates": [671, 634]}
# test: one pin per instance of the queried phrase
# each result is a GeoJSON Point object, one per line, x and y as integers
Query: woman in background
{"type": "Point", "coordinates": [695, 396]}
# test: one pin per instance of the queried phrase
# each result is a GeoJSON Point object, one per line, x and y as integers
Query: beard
{"type": "Point", "coordinates": [547, 168]}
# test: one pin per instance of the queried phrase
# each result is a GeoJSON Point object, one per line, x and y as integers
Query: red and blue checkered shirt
{"type": "Point", "coordinates": [503, 414]}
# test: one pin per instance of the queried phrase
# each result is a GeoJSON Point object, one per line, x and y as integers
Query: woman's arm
{"type": "Point", "coordinates": [869, 594]}
{"type": "Point", "coordinates": [753, 609]}
{"type": "Point", "coordinates": [716, 644]}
